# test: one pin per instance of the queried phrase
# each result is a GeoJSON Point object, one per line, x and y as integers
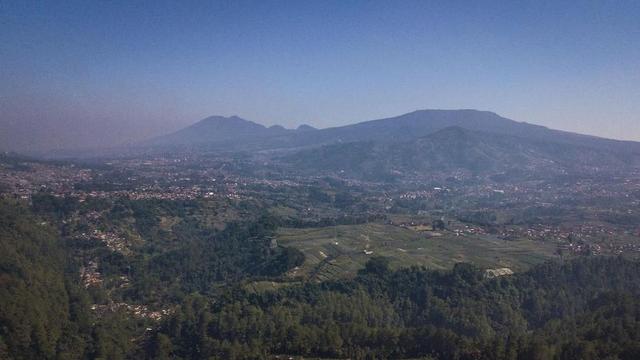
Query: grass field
{"type": "Point", "coordinates": [339, 251]}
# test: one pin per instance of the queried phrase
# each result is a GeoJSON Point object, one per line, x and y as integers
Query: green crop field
{"type": "Point", "coordinates": [339, 251]}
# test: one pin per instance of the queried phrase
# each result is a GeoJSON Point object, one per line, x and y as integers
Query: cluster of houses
{"type": "Point", "coordinates": [138, 311]}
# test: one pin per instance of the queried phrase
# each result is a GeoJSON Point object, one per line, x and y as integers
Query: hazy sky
{"type": "Point", "coordinates": [79, 73]}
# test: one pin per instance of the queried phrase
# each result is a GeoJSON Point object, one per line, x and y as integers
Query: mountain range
{"type": "Point", "coordinates": [415, 143]}
{"type": "Point", "coordinates": [223, 130]}
{"type": "Point", "coordinates": [456, 148]}
{"type": "Point", "coordinates": [244, 134]}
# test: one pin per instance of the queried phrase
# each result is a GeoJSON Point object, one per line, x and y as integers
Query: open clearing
{"type": "Point", "coordinates": [339, 251]}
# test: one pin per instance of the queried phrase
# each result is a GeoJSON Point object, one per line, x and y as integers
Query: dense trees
{"type": "Point", "coordinates": [43, 313]}
{"type": "Point", "coordinates": [204, 258]}
{"type": "Point", "coordinates": [584, 309]}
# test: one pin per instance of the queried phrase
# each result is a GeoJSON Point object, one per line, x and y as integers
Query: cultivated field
{"type": "Point", "coordinates": [338, 251]}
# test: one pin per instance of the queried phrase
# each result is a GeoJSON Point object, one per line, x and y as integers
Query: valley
{"type": "Point", "coordinates": [326, 180]}
{"type": "Point", "coordinates": [162, 230]}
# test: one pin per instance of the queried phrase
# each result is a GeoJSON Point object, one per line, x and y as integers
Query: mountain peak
{"type": "Point", "coordinates": [455, 115]}
{"type": "Point", "coordinates": [219, 118]}
{"type": "Point", "coordinates": [469, 111]}
{"type": "Point", "coordinates": [305, 127]}
{"type": "Point", "coordinates": [214, 129]}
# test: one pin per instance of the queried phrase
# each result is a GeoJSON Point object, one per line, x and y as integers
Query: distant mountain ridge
{"type": "Point", "coordinates": [424, 122]}
{"type": "Point", "coordinates": [217, 130]}
{"type": "Point", "coordinates": [453, 148]}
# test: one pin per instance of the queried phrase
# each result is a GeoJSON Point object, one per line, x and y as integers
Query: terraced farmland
{"type": "Point", "coordinates": [339, 251]}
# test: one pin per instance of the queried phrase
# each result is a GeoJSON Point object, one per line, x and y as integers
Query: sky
{"type": "Point", "coordinates": [101, 73]}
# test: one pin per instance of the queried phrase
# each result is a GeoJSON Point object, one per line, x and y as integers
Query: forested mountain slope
{"type": "Point", "coordinates": [455, 148]}
{"type": "Point", "coordinates": [44, 314]}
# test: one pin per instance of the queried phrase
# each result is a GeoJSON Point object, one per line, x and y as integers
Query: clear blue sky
{"type": "Point", "coordinates": [97, 72]}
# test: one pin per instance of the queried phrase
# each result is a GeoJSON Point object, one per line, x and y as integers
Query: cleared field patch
{"type": "Point", "coordinates": [339, 251]}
